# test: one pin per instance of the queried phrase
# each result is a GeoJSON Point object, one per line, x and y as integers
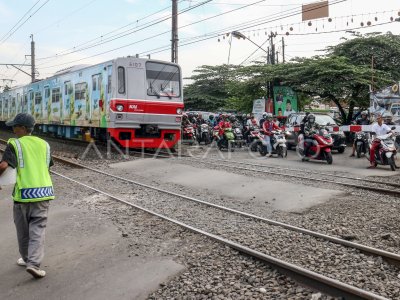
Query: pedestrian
{"type": "Point", "coordinates": [30, 156]}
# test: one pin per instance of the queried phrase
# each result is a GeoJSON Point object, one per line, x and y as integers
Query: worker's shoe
{"type": "Point", "coordinates": [21, 262]}
{"type": "Point", "coordinates": [36, 272]}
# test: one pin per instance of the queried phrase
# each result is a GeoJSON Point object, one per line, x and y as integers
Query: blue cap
{"type": "Point", "coordinates": [22, 119]}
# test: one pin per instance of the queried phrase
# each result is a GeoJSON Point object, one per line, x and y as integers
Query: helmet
{"type": "Point", "coordinates": [211, 117]}
{"type": "Point", "coordinates": [387, 117]}
{"type": "Point", "coordinates": [268, 116]}
{"type": "Point", "coordinates": [364, 113]}
{"type": "Point", "coordinates": [184, 116]}
{"type": "Point", "coordinates": [232, 118]}
{"type": "Point", "coordinates": [200, 116]}
{"type": "Point", "coordinates": [190, 114]}
{"type": "Point", "coordinates": [248, 116]}
{"type": "Point", "coordinates": [264, 115]}
{"type": "Point", "coordinates": [244, 116]}
{"type": "Point", "coordinates": [311, 118]}
{"type": "Point", "coordinates": [195, 114]}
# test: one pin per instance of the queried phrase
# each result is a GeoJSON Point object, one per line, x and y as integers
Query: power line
{"type": "Point", "coordinates": [16, 24]}
{"type": "Point", "coordinates": [23, 22]}
{"type": "Point", "coordinates": [206, 37]}
{"type": "Point", "coordinates": [121, 34]}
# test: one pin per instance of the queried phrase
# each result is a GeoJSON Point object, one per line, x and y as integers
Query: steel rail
{"type": "Point", "coordinates": [388, 256]}
{"type": "Point", "coordinates": [309, 278]}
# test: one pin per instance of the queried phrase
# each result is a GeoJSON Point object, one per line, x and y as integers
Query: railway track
{"type": "Point", "coordinates": [312, 279]}
{"type": "Point", "coordinates": [388, 188]}
{"type": "Point", "coordinates": [307, 277]}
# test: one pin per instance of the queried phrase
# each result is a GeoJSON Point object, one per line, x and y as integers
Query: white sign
{"type": "Point", "coordinates": [258, 108]}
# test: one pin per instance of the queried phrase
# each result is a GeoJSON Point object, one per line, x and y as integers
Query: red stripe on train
{"type": "Point", "coordinates": [146, 106]}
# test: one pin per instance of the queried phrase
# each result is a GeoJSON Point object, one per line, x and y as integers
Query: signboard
{"type": "Point", "coordinates": [285, 101]}
{"type": "Point", "coordinates": [315, 10]}
{"type": "Point", "coordinates": [386, 102]}
{"type": "Point", "coordinates": [258, 108]}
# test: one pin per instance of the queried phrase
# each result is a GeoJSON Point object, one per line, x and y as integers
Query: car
{"type": "Point", "coordinates": [293, 126]}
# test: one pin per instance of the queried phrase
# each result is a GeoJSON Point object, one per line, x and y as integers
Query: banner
{"type": "Point", "coordinates": [258, 108]}
{"type": "Point", "coordinates": [386, 102]}
{"type": "Point", "coordinates": [285, 101]}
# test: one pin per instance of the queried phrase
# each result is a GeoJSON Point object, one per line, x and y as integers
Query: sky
{"type": "Point", "coordinates": [74, 32]}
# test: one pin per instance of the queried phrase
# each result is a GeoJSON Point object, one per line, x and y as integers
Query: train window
{"type": "Point", "coordinates": [80, 91]}
{"type": "Point", "coordinates": [109, 84]}
{"type": "Point", "coordinates": [46, 92]}
{"type": "Point", "coordinates": [121, 80]}
{"type": "Point", "coordinates": [94, 83]}
{"type": "Point", "coordinates": [66, 86]}
{"type": "Point", "coordinates": [55, 95]}
{"type": "Point", "coordinates": [163, 80]}
{"type": "Point", "coordinates": [38, 98]}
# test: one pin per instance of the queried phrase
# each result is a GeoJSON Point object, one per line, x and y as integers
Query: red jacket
{"type": "Point", "coordinates": [268, 126]}
{"type": "Point", "coordinates": [222, 125]}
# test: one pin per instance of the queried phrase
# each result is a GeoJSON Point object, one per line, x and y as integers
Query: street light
{"type": "Point", "coordinates": [239, 36]}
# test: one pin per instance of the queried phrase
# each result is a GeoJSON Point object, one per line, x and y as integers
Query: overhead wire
{"type": "Point", "coordinates": [122, 34]}
{"type": "Point", "coordinates": [30, 16]}
{"type": "Point", "coordinates": [16, 24]}
{"type": "Point", "coordinates": [197, 39]}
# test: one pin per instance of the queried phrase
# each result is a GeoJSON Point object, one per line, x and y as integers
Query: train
{"type": "Point", "coordinates": [135, 102]}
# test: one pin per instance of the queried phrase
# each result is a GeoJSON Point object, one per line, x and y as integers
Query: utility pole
{"type": "Point", "coordinates": [283, 50]}
{"type": "Point", "coordinates": [174, 39]}
{"type": "Point", "coordinates": [272, 48]}
{"type": "Point", "coordinates": [32, 59]}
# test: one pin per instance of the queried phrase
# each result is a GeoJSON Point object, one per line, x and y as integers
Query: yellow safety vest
{"type": "Point", "coordinates": [33, 178]}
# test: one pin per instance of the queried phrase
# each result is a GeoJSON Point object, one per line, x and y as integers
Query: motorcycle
{"type": "Point", "coordinates": [320, 148]}
{"type": "Point", "coordinates": [226, 140]}
{"type": "Point", "coordinates": [278, 143]}
{"type": "Point", "coordinates": [386, 152]}
{"type": "Point", "coordinates": [239, 142]}
{"type": "Point", "coordinates": [253, 137]}
{"type": "Point", "coordinates": [361, 142]}
{"type": "Point", "coordinates": [204, 134]}
{"type": "Point", "coordinates": [188, 134]}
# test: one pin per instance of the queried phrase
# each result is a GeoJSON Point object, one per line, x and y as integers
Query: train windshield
{"type": "Point", "coordinates": [163, 80]}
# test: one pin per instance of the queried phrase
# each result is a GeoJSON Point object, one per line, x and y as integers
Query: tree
{"type": "Point", "coordinates": [209, 91]}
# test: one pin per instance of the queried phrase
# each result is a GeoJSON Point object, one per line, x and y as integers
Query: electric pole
{"type": "Point", "coordinates": [174, 38]}
{"type": "Point", "coordinates": [272, 48]}
{"type": "Point", "coordinates": [283, 50]}
{"type": "Point", "coordinates": [32, 59]}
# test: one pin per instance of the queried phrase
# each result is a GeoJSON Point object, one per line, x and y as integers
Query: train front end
{"type": "Point", "coordinates": [147, 103]}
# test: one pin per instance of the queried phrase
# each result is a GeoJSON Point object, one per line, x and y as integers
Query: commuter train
{"type": "Point", "coordinates": [135, 102]}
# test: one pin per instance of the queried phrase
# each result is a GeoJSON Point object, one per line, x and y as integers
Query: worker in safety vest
{"type": "Point", "coordinates": [30, 156]}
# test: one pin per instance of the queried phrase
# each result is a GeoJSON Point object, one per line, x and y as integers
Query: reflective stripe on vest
{"type": "Point", "coordinates": [33, 178]}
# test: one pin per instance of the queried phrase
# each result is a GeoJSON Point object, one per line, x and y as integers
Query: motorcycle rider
{"type": "Point", "coordinates": [310, 126]}
{"type": "Point", "coordinates": [211, 121]}
{"type": "Point", "coordinates": [185, 120]}
{"type": "Point", "coordinates": [379, 129]}
{"type": "Point", "coordinates": [388, 118]}
{"type": "Point", "coordinates": [263, 119]}
{"type": "Point", "coordinates": [361, 121]}
{"type": "Point", "coordinates": [268, 127]}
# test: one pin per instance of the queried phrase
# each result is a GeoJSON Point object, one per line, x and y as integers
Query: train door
{"type": "Point", "coordinates": [1, 108]}
{"type": "Point", "coordinates": [6, 100]}
{"type": "Point", "coordinates": [95, 99]}
{"type": "Point", "coordinates": [31, 102]}
{"type": "Point", "coordinates": [18, 104]}
{"type": "Point", "coordinates": [55, 114]}
{"type": "Point", "coordinates": [66, 110]}
{"type": "Point", "coordinates": [24, 106]}
{"type": "Point", "coordinates": [79, 109]}
{"type": "Point", "coordinates": [135, 90]}
{"type": "Point", "coordinates": [13, 108]}
{"type": "Point", "coordinates": [105, 102]}
{"type": "Point", "coordinates": [46, 104]}
{"type": "Point", "coordinates": [38, 112]}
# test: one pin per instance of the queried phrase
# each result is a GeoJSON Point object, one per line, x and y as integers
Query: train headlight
{"type": "Point", "coordinates": [179, 111]}
{"type": "Point", "coordinates": [119, 107]}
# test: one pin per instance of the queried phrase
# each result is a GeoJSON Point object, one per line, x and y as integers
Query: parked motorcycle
{"type": "Point", "coordinates": [188, 135]}
{"type": "Point", "coordinates": [321, 146]}
{"type": "Point", "coordinates": [204, 134]}
{"type": "Point", "coordinates": [361, 142]}
{"type": "Point", "coordinates": [278, 143]}
{"type": "Point", "coordinates": [386, 152]}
